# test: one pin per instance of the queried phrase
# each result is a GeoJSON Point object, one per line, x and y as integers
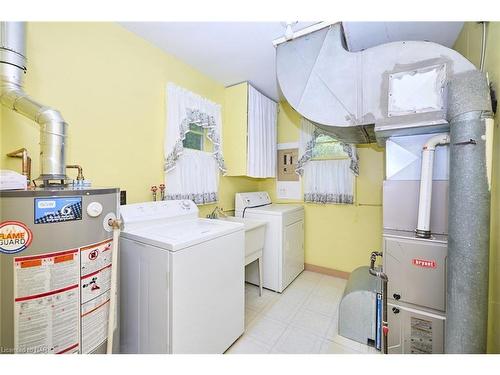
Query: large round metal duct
{"type": "Point", "coordinates": [468, 216]}
{"type": "Point", "coordinates": [345, 92]}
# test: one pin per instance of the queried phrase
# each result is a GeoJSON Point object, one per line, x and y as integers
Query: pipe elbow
{"type": "Point", "coordinates": [80, 171]}
{"type": "Point", "coordinates": [47, 114]}
{"type": "Point", "coordinates": [52, 124]}
{"type": "Point", "coordinates": [437, 140]}
{"type": "Point", "coordinates": [9, 94]}
{"type": "Point", "coordinates": [16, 99]}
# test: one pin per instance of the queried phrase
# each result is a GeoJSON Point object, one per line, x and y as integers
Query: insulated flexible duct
{"type": "Point", "coordinates": [53, 128]}
{"type": "Point", "coordinates": [468, 216]}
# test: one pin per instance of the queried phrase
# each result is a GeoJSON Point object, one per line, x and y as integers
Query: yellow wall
{"type": "Point", "coordinates": [339, 236]}
{"type": "Point", "coordinates": [469, 45]}
{"type": "Point", "coordinates": [110, 87]}
{"type": "Point", "coordinates": [236, 129]}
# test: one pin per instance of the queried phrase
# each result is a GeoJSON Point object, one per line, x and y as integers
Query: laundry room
{"type": "Point", "coordinates": [208, 183]}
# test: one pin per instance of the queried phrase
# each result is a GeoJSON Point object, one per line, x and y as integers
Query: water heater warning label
{"type": "Point", "coordinates": [47, 303]}
{"type": "Point", "coordinates": [61, 300]}
{"type": "Point", "coordinates": [57, 209]}
{"type": "Point", "coordinates": [95, 285]}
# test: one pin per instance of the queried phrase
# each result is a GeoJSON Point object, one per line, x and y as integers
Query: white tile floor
{"type": "Point", "coordinates": [303, 319]}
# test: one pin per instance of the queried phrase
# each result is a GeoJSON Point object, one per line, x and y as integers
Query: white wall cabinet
{"type": "Point", "coordinates": [249, 132]}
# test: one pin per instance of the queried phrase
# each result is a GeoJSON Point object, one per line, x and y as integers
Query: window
{"type": "Point", "coordinates": [195, 138]}
{"type": "Point", "coordinates": [328, 177]}
{"type": "Point", "coordinates": [193, 146]}
{"type": "Point", "coordinates": [327, 166]}
{"type": "Point", "coordinates": [327, 148]}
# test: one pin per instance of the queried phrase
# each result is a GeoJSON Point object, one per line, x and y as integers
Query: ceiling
{"type": "Point", "coordinates": [233, 52]}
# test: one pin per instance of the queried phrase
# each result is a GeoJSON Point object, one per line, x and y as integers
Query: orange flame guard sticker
{"type": "Point", "coordinates": [14, 237]}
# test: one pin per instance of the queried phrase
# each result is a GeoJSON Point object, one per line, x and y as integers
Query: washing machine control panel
{"type": "Point", "coordinates": [186, 204]}
{"type": "Point", "coordinates": [159, 210]}
{"type": "Point", "coordinates": [253, 199]}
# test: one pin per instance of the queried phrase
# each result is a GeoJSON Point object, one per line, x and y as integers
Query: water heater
{"type": "Point", "coordinates": [55, 269]}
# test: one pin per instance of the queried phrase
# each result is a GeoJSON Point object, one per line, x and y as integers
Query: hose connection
{"type": "Point", "coordinates": [115, 223]}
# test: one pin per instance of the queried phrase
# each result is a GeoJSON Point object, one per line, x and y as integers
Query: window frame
{"type": "Point", "coordinates": [202, 133]}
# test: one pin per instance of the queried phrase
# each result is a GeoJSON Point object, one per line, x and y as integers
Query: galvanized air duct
{"type": "Point", "coordinates": [469, 113]}
{"type": "Point", "coordinates": [345, 92]}
{"type": "Point", "coordinates": [52, 126]}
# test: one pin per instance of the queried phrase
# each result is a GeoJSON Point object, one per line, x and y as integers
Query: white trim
{"type": "Point", "coordinates": [286, 146]}
{"type": "Point", "coordinates": [304, 31]}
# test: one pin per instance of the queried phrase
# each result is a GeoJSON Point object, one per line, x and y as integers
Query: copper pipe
{"type": "Point", "coordinates": [80, 171]}
{"type": "Point", "coordinates": [22, 153]}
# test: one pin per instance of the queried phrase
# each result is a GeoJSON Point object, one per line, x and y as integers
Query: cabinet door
{"type": "Point", "coordinates": [394, 336]}
{"type": "Point", "coordinates": [417, 271]}
{"type": "Point", "coordinates": [262, 135]}
{"type": "Point", "coordinates": [144, 298]}
{"type": "Point", "coordinates": [208, 295]}
{"type": "Point", "coordinates": [249, 132]}
{"type": "Point", "coordinates": [293, 254]}
{"type": "Point", "coordinates": [414, 332]}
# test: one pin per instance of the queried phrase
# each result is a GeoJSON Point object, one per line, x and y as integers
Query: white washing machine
{"type": "Point", "coordinates": [181, 280]}
{"type": "Point", "coordinates": [283, 254]}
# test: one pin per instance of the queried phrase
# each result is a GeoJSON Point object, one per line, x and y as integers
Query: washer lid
{"type": "Point", "coordinates": [175, 236]}
{"type": "Point", "coordinates": [275, 209]}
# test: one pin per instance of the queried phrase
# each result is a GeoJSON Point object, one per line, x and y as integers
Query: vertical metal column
{"type": "Point", "coordinates": [469, 215]}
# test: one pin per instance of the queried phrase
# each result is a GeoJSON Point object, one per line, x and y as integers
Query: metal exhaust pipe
{"type": "Point", "coordinates": [53, 128]}
{"type": "Point", "coordinates": [469, 215]}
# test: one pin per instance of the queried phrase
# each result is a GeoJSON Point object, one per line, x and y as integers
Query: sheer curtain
{"type": "Point", "coordinates": [192, 174]}
{"type": "Point", "coordinates": [306, 144]}
{"type": "Point", "coordinates": [195, 177]}
{"type": "Point", "coordinates": [262, 135]}
{"type": "Point", "coordinates": [329, 181]}
{"type": "Point", "coordinates": [325, 181]}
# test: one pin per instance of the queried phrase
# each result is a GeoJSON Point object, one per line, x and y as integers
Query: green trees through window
{"type": "Point", "coordinates": [195, 138]}
{"type": "Point", "coordinates": [327, 148]}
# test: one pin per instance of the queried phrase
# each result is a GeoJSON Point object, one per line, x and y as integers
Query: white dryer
{"type": "Point", "coordinates": [181, 280]}
{"type": "Point", "coordinates": [283, 254]}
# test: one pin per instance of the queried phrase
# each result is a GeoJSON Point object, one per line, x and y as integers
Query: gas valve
{"type": "Point", "coordinates": [154, 189]}
{"type": "Point", "coordinates": [162, 192]}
